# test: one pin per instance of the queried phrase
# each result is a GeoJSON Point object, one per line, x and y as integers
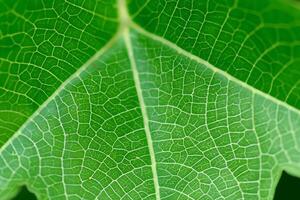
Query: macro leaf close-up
{"type": "Point", "coordinates": [148, 99]}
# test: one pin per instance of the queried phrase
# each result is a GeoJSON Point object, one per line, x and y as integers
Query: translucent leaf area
{"type": "Point", "coordinates": [156, 99]}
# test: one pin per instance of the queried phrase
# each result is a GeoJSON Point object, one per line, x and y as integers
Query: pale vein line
{"type": "Point", "coordinates": [124, 28]}
{"type": "Point", "coordinates": [210, 66]}
{"type": "Point", "coordinates": [143, 109]}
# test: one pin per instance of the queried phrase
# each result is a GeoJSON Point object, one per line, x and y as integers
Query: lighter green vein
{"type": "Point", "coordinates": [126, 20]}
{"type": "Point", "coordinates": [143, 110]}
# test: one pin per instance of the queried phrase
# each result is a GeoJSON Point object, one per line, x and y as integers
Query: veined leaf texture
{"type": "Point", "coordinates": [154, 99]}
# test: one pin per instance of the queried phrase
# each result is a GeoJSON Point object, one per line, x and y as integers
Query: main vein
{"type": "Point", "coordinates": [125, 18]}
{"type": "Point", "coordinates": [143, 109]}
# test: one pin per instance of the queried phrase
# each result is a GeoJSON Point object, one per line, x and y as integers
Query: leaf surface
{"type": "Point", "coordinates": [171, 100]}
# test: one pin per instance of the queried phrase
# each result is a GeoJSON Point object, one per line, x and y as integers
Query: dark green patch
{"type": "Point", "coordinates": [288, 188]}
{"type": "Point", "coordinates": [25, 194]}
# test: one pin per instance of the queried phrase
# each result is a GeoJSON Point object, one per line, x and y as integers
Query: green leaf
{"type": "Point", "coordinates": [150, 100]}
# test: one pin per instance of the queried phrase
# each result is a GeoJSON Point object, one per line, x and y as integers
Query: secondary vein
{"type": "Point", "coordinates": [210, 66]}
{"type": "Point", "coordinates": [61, 88]}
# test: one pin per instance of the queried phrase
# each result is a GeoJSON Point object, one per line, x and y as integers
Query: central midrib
{"type": "Point", "coordinates": [143, 111]}
{"type": "Point", "coordinates": [124, 28]}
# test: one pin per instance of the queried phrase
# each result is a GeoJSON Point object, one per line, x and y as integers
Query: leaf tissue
{"type": "Point", "coordinates": [154, 99]}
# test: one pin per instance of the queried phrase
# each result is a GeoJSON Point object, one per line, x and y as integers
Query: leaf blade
{"type": "Point", "coordinates": [146, 119]}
